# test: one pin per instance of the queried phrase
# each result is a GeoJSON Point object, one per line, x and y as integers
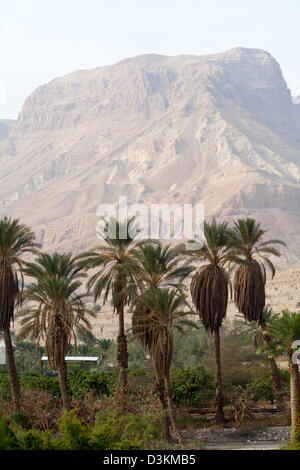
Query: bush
{"type": "Point", "coordinates": [96, 308]}
{"type": "Point", "coordinates": [192, 387]}
{"type": "Point", "coordinates": [118, 431]}
{"type": "Point", "coordinates": [40, 382]}
{"type": "Point", "coordinates": [8, 440]}
{"type": "Point", "coordinates": [31, 440]}
{"type": "Point", "coordinates": [21, 420]}
{"type": "Point", "coordinates": [5, 392]}
{"type": "Point", "coordinates": [81, 382]}
{"type": "Point", "coordinates": [262, 388]}
{"type": "Point", "coordinates": [75, 434]}
{"type": "Point", "coordinates": [113, 430]}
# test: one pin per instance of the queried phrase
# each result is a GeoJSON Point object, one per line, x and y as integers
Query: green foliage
{"type": "Point", "coordinates": [113, 430]}
{"type": "Point", "coordinates": [40, 382]}
{"type": "Point", "coordinates": [261, 388]}
{"type": "Point", "coordinates": [4, 387]}
{"type": "Point", "coordinates": [8, 440]}
{"type": "Point", "coordinates": [96, 308]}
{"type": "Point", "coordinates": [21, 420]}
{"type": "Point", "coordinates": [32, 440]}
{"type": "Point", "coordinates": [125, 431]}
{"type": "Point", "coordinates": [82, 382]}
{"type": "Point", "coordinates": [192, 387]}
{"type": "Point", "coordinates": [75, 433]}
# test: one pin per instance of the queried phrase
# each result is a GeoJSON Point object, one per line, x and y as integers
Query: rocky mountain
{"type": "Point", "coordinates": [220, 129]}
{"type": "Point", "coordinates": [6, 125]}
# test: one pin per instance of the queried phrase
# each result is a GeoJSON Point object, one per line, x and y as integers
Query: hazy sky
{"type": "Point", "coordinates": [42, 39]}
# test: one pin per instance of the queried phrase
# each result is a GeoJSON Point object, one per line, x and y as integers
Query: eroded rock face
{"type": "Point", "coordinates": [6, 125]}
{"type": "Point", "coordinates": [221, 129]}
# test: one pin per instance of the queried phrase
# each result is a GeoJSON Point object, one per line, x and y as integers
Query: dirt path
{"type": "Point", "coordinates": [268, 438]}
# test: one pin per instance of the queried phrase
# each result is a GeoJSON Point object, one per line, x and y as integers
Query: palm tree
{"type": "Point", "coordinates": [250, 278]}
{"type": "Point", "coordinates": [166, 307]}
{"type": "Point", "coordinates": [209, 290]}
{"type": "Point", "coordinates": [15, 241]}
{"type": "Point", "coordinates": [285, 329]}
{"type": "Point", "coordinates": [115, 265]}
{"type": "Point", "coordinates": [158, 266]}
{"type": "Point", "coordinates": [56, 309]}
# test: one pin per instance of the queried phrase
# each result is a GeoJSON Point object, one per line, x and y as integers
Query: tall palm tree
{"type": "Point", "coordinates": [167, 311]}
{"type": "Point", "coordinates": [158, 266]}
{"type": "Point", "coordinates": [56, 308]}
{"type": "Point", "coordinates": [15, 241]}
{"type": "Point", "coordinates": [285, 329]}
{"type": "Point", "coordinates": [209, 290]}
{"type": "Point", "coordinates": [115, 265]}
{"type": "Point", "coordinates": [250, 278]}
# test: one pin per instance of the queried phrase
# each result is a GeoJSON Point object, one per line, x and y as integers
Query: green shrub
{"type": "Point", "coordinates": [40, 382]}
{"type": "Point", "coordinates": [32, 440]}
{"type": "Point", "coordinates": [96, 308]}
{"type": "Point", "coordinates": [262, 388]}
{"type": "Point", "coordinates": [113, 430]}
{"type": "Point", "coordinates": [81, 382]}
{"type": "Point", "coordinates": [21, 420]}
{"type": "Point", "coordinates": [119, 431]}
{"type": "Point", "coordinates": [192, 387]}
{"type": "Point", "coordinates": [75, 434]}
{"type": "Point", "coordinates": [8, 440]}
{"type": "Point", "coordinates": [5, 392]}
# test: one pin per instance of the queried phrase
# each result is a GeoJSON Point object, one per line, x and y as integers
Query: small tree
{"type": "Point", "coordinates": [167, 311]}
{"type": "Point", "coordinates": [55, 310]}
{"type": "Point", "coordinates": [115, 264]}
{"type": "Point", "coordinates": [158, 266]}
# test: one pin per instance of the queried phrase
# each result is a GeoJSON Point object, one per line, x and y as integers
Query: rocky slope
{"type": "Point", "coordinates": [221, 129]}
{"type": "Point", "coordinates": [6, 126]}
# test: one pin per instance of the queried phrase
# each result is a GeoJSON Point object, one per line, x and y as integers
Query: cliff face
{"type": "Point", "coordinates": [6, 126]}
{"type": "Point", "coordinates": [222, 130]}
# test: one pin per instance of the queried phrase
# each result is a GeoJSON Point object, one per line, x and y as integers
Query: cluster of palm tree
{"type": "Point", "coordinates": [148, 276]}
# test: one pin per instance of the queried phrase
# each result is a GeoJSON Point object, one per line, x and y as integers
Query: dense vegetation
{"type": "Point", "coordinates": [174, 357]}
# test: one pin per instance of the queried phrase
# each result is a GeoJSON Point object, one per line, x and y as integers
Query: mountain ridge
{"type": "Point", "coordinates": [220, 129]}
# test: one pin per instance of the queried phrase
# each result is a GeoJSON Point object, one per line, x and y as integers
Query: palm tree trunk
{"type": "Point", "coordinates": [219, 404]}
{"type": "Point", "coordinates": [172, 410]}
{"type": "Point", "coordinates": [295, 395]}
{"type": "Point", "coordinates": [122, 358]}
{"type": "Point", "coordinates": [276, 380]}
{"type": "Point", "coordinates": [12, 370]}
{"type": "Point", "coordinates": [62, 375]}
{"type": "Point", "coordinates": [162, 398]}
